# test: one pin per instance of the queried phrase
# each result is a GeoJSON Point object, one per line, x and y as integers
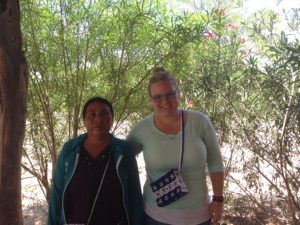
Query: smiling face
{"type": "Point", "coordinates": [164, 98]}
{"type": "Point", "coordinates": [98, 119]}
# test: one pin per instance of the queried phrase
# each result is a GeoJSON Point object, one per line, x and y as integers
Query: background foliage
{"type": "Point", "coordinates": [243, 72]}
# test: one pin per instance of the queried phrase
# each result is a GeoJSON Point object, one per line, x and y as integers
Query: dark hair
{"type": "Point", "coordinates": [160, 74]}
{"type": "Point", "coordinates": [97, 99]}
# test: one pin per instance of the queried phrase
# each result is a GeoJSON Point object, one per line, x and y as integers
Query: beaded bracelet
{"type": "Point", "coordinates": [218, 198]}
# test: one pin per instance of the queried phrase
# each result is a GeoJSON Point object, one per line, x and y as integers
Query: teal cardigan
{"type": "Point", "coordinates": [126, 169]}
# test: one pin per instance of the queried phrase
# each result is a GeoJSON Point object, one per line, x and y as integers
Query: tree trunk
{"type": "Point", "coordinates": [13, 94]}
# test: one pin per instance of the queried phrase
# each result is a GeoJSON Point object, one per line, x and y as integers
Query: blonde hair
{"type": "Point", "coordinates": [160, 74]}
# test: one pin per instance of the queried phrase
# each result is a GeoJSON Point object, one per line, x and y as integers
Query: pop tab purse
{"type": "Point", "coordinates": [170, 187]}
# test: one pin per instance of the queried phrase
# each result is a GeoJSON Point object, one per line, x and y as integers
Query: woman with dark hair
{"type": "Point", "coordinates": [96, 177]}
{"type": "Point", "coordinates": [178, 145]}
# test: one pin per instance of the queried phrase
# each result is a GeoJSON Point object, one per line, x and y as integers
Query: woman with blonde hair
{"type": "Point", "coordinates": [178, 145]}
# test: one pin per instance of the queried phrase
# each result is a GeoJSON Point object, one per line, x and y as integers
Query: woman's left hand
{"type": "Point", "coordinates": [216, 211]}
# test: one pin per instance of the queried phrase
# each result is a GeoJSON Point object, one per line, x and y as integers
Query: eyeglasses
{"type": "Point", "coordinates": [167, 96]}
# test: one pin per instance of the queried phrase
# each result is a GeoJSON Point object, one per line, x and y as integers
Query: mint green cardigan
{"type": "Point", "coordinates": [161, 153]}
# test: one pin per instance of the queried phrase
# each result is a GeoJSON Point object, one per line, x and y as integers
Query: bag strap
{"type": "Point", "coordinates": [181, 140]}
{"type": "Point", "coordinates": [102, 179]}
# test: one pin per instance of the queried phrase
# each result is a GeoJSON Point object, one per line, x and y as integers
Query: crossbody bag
{"type": "Point", "coordinates": [170, 187]}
